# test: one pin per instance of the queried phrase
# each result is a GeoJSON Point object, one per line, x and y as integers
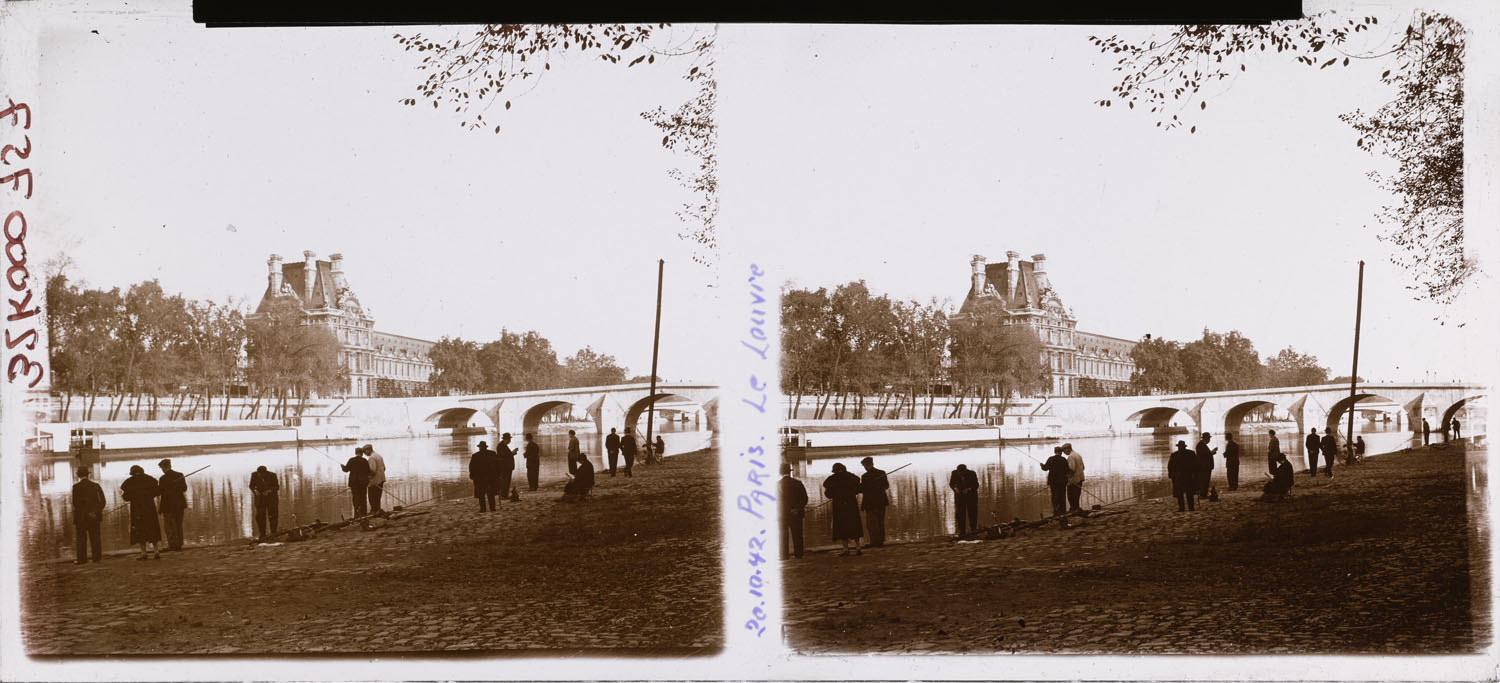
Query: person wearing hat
{"type": "Point", "coordinates": [627, 451]}
{"type": "Point", "coordinates": [1205, 465]}
{"type": "Point", "coordinates": [1313, 444]}
{"type": "Point", "coordinates": [484, 468]}
{"type": "Point", "coordinates": [1273, 449]}
{"type": "Point", "coordinates": [359, 480]}
{"type": "Point", "coordinates": [965, 485]}
{"type": "Point", "coordinates": [141, 490]}
{"type": "Point", "coordinates": [1057, 480]}
{"type": "Point", "coordinates": [1075, 478]}
{"type": "Point", "coordinates": [1330, 447]}
{"type": "Point", "coordinates": [842, 488]}
{"type": "Point", "coordinates": [377, 477]}
{"type": "Point", "coordinates": [793, 509]}
{"type": "Point", "coordinates": [264, 491]}
{"type": "Point", "coordinates": [874, 501]}
{"type": "Point", "coordinates": [1182, 469]}
{"type": "Point", "coordinates": [612, 447]}
{"type": "Point", "coordinates": [1281, 481]}
{"type": "Point", "coordinates": [1231, 461]}
{"type": "Point", "coordinates": [533, 455]}
{"type": "Point", "coordinates": [506, 457]}
{"type": "Point", "coordinates": [88, 512]}
{"type": "Point", "coordinates": [173, 503]}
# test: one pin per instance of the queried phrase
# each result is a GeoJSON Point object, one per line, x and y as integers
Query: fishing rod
{"type": "Point", "coordinates": [898, 469]}
{"type": "Point", "coordinates": [185, 476]}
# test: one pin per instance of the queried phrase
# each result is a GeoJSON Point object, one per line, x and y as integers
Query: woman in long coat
{"type": "Point", "coordinates": [141, 491]}
{"type": "Point", "coordinates": [842, 488]}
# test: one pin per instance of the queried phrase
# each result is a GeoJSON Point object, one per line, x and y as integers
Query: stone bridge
{"type": "Point", "coordinates": [520, 412]}
{"type": "Point", "coordinates": [1322, 406]}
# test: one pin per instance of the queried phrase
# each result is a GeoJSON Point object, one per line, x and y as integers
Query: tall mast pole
{"type": "Point", "coordinates": [661, 265]}
{"type": "Point", "coordinates": [1359, 304]}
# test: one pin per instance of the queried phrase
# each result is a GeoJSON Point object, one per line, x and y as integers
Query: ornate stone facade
{"type": "Point", "coordinates": [1080, 363]}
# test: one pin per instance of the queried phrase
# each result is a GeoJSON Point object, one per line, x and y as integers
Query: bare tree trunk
{"type": "Point", "coordinates": [88, 414]}
{"type": "Point", "coordinates": [67, 406]}
{"type": "Point", "coordinates": [796, 405]}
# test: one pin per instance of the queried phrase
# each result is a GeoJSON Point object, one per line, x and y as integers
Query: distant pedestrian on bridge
{"type": "Point", "coordinates": [377, 477]}
{"type": "Point", "coordinates": [793, 508]}
{"type": "Point", "coordinates": [627, 450]}
{"type": "Point", "coordinates": [1205, 464]}
{"type": "Point", "coordinates": [533, 457]}
{"type": "Point", "coordinates": [484, 468]}
{"type": "Point", "coordinates": [873, 484]}
{"type": "Point", "coordinates": [1057, 480]}
{"type": "Point", "coordinates": [842, 490]}
{"type": "Point", "coordinates": [612, 447]}
{"type": "Point", "coordinates": [1232, 461]}
{"type": "Point", "coordinates": [965, 485]}
{"type": "Point", "coordinates": [1313, 444]}
{"type": "Point", "coordinates": [507, 458]}
{"type": "Point", "coordinates": [173, 503]}
{"type": "Point", "coordinates": [88, 512]}
{"type": "Point", "coordinates": [575, 453]}
{"type": "Point", "coordinates": [1272, 450]}
{"type": "Point", "coordinates": [1182, 469]}
{"type": "Point", "coordinates": [1075, 477]}
{"type": "Point", "coordinates": [1426, 432]}
{"type": "Point", "coordinates": [359, 480]}
{"type": "Point", "coordinates": [141, 490]}
{"type": "Point", "coordinates": [1330, 449]}
{"type": "Point", "coordinates": [263, 498]}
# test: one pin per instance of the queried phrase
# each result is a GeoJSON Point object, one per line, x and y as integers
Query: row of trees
{"type": "Point", "coordinates": [1219, 362]}
{"type": "Point", "coordinates": [516, 362]}
{"type": "Point", "coordinates": [841, 346]}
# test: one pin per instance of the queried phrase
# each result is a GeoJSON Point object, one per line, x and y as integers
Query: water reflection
{"type": "Point", "coordinates": [313, 487]}
{"type": "Point", "coordinates": [1012, 483]}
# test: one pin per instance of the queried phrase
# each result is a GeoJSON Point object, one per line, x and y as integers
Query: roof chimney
{"type": "Point", "coordinates": [976, 264]}
{"type": "Point", "coordinates": [273, 272]}
{"type": "Point", "coordinates": [336, 267]}
{"type": "Point", "coordinates": [1039, 268]}
{"type": "Point", "coordinates": [309, 275]}
{"type": "Point", "coordinates": [1012, 271]}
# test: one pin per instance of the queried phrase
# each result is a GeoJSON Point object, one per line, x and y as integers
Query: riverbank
{"type": "Point", "coordinates": [1389, 556]}
{"type": "Point", "coordinates": [637, 569]}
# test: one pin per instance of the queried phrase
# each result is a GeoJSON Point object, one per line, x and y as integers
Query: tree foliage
{"type": "Point", "coordinates": [1421, 127]}
{"type": "Point", "coordinates": [1218, 362]}
{"type": "Point", "coordinates": [589, 368]}
{"type": "Point", "coordinates": [1288, 368]}
{"type": "Point", "coordinates": [517, 361]}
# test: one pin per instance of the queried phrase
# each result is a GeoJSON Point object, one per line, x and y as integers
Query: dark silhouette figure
{"type": "Point", "coordinates": [533, 455]}
{"type": "Point", "coordinates": [1272, 450]}
{"type": "Point", "coordinates": [792, 496]}
{"type": "Point", "coordinates": [965, 485]}
{"type": "Point", "coordinates": [359, 480]}
{"type": "Point", "coordinates": [1281, 481]}
{"type": "Point", "coordinates": [88, 512]}
{"type": "Point", "coordinates": [874, 486]}
{"type": "Point", "coordinates": [1426, 432]}
{"type": "Point", "coordinates": [484, 469]}
{"type": "Point", "coordinates": [1182, 469]}
{"type": "Point", "coordinates": [1075, 477]}
{"type": "Point", "coordinates": [661, 448]}
{"type": "Point", "coordinates": [1057, 480]}
{"type": "Point", "coordinates": [1232, 461]}
{"type": "Point", "coordinates": [1457, 433]}
{"type": "Point", "coordinates": [506, 456]}
{"type": "Point", "coordinates": [842, 489]}
{"type": "Point", "coordinates": [575, 453]}
{"type": "Point", "coordinates": [612, 447]}
{"type": "Point", "coordinates": [1313, 445]}
{"type": "Point", "coordinates": [1205, 464]}
{"type": "Point", "coordinates": [264, 491]}
{"type": "Point", "coordinates": [141, 490]}
{"type": "Point", "coordinates": [173, 503]}
{"type": "Point", "coordinates": [583, 481]}
{"type": "Point", "coordinates": [627, 450]}
{"type": "Point", "coordinates": [1330, 448]}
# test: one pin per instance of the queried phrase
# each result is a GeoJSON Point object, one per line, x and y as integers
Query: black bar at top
{"type": "Point", "coordinates": [216, 13]}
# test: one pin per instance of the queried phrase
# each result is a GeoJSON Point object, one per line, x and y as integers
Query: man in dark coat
{"type": "Point", "coordinates": [506, 456]}
{"type": "Point", "coordinates": [141, 491]}
{"type": "Point", "coordinates": [1057, 480]}
{"type": "Point", "coordinates": [1232, 461]}
{"type": "Point", "coordinates": [533, 455]}
{"type": "Point", "coordinates": [1457, 433]}
{"type": "Point", "coordinates": [1313, 444]}
{"type": "Point", "coordinates": [1426, 432]}
{"type": "Point", "coordinates": [1205, 464]}
{"type": "Point", "coordinates": [965, 485]}
{"type": "Point", "coordinates": [874, 486]}
{"type": "Point", "coordinates": [265, 492]}
{"type": "Point", "coordinates": [1182, 469]}
{"type": "Point", "coordinates": [575, 453]}
{"type": "Point", "coordinates": [1272, 450]}
{"type": "Point", "coordinates": [173, 503]}
{"type": "Point", "coordinates": [359, 480]}
{"type": "Point", "coordinates": [1330, 448]}
{"type": "Point", "coordinates": [842, 489]}
{"type": "Point", "coordinates": [484, 468]}
{"type": "Point", "coordinates": [88, 511]}
{"type": "Point", "coordinates": [792, 497]}
{"type": "Point", "coordinates": [583, 481]}
{"type": "Point", "coordinates": [627, 450]}
{"type": "Point", "coordinates": [612, 446]}
{"type": "Point", "coordinates": [660, 448]}
{"type": "Point", "coordinates": [1281, 481]}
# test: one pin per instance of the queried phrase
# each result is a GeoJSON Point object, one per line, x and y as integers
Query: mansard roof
{"type": "Point", "coordinates": [294, 283]}
{"type": "Point", "coordinates": [1028, 293]}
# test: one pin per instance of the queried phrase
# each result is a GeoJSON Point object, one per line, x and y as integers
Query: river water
{"type": "Point", "coordinates": [313, 487]}
{"type": "Point", "coordinates": [1012, 483]}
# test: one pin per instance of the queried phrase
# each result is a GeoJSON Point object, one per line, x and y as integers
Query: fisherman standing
{"type": "Point", "coordinates": [264, 490]}
{"type": "Point", "coordinates": [612, 447]}
{"type": "Point", "coordinates": [1313, 443]}
{"type": "Point", "coordinates": [1205, 464]}
{"type": "Point", "coordinates": [842, 488]}
{"type": "Point", "coordinates": [1272, 450]}
{"type": "Point", "coordinates": [627, 450]}
{"type": "Point", "coordinates": [965, 485]}
{"type": "Point", "coordinates": [792, 496]}
{"type": "Point", "coordinates": [173, 503]}
{"type": "Point", "coordinates": [506, 456]}
{"type": "Point", "coordinates": [141, 490]}
{"type": "Point", "coordinates": [1182, 469]}
{"type": "Point", "coordinates": [1075, 477]}
{"type": "Point", "coordinates": [1232, 461]}
{"type": "Point", "coordinates": [88, 511]}
{"type": "Point", "coordinates": [533, 455]}
{"type": "Point", "coordinates": [1330, 448]}
{"type": "Point", "coordinates": [484, 468]}
{"type": "Point", "coordinates": [874, 486]}
{"type": "Point", "coordinates": [1057, 479]}
{"type": "Point", "coordinates": [377, 477]}
{"type": "Point", "coordinates": [575, 453]}
{"type": "Point", "coordinates": [359, 480]}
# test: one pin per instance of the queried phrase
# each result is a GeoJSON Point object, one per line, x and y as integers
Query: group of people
{"type": "Point", "coordinates": [157, 507]}
{"type": "Point", "coordinates": [617, 446]}
{"type": "Point", "coordinates": [491, 470]}
{"type": "Point", "coordinates": [1065, 479]}
{"type": "Point", "coordinates": [366, 470]}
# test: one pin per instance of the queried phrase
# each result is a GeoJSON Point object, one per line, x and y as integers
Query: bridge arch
{"type": "Point", "coordinates": [1159, 417]}
{"type": "Point", "coordinates": [1234, 418]}
{"type": "Point", "coordinates": [532, 418]}
{"type": "Point", "coordinates": [456, 418]}
{"type": "Point", "coordinates": [638, 407]}
{"type": "Point", "coordinates": [1451, 411]}
{"type": "Point", "coordinates": [1347, 403]}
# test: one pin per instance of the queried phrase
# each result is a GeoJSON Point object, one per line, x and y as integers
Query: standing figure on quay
{"type": "Point", "coordinates": [359, 480]}
{"type": "Point", "coordinates": [506, 456]}
{"type": "Point", "coordinates": [965, 485]}
{"type": "Point", "coordinates": [792, 496]}
{"type": "Point", "coordinates": [874, 486]}
{"type": "Point", "coordinates": [627, 450]}
{"type": "Point", "coordinates": [1232, 461]}
{"type": "Point", "coordinates": [1182, 469]}
{"type": "Point", "coordinates": [1075, 477]}
{"type": "Point", "coordinates": [575, 453]}
{"type": "Point", "coordinates": [1330, 448]}
{"type": "Point", "coordinates": [661, 448]}
{"type": "Point", "coordinates": [533, 455]}
{"type": "Point", "coordinates": [173, 503]}
{"type": "Point", "coordinates": [1272, 450]}
{"type": "Point", "coordinates": [88, 512]}
{"type": "Point", "coordinates": [1057, 480]}
{"type": "Point", "coordinates": [263, 491]}
{"type": "Point", "coordinates": [1313, 444]}
{"type": "Point", "coordinates": [484, 469]}
{"type": "Point", "coordinates": [377, 477]}
{"type": "Point", "coordinates": [612, 447]}
{"type": "Point", "coordinates": [141, 491]}
{"type": "Point", "coordinates": [1205, 465]}
{"type": "Point", "coordinates": [1426, 433]}
{"type": "Point", "coordinates": [842, 489]}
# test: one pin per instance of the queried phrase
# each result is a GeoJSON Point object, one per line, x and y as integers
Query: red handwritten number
{"type": "Point", "coordinates": [12, 112]}
{"type": "Point", "coordinates": [23, 153]}
{"type": "Point", "coordinates": [26, 367]}
{"type": "Point", "coordinates": [15, 181]}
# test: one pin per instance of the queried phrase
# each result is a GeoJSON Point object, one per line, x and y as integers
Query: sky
{"type": "Point", "coordinates": [894, 154]}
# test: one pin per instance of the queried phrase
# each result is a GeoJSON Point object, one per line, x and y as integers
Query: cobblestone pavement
{"type": "Point", "coordinates": [1374, 560]}
{"type": "Point", "coordinates": [636, 569]}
